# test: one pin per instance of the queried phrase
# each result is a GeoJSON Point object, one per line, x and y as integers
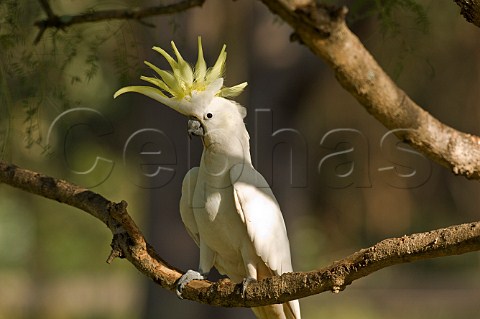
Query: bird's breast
{"type": "Point", "coordinates": [218, 222]}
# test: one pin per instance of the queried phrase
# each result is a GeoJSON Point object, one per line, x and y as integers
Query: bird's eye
{"type": "Point", "coordinates": [209, 115]}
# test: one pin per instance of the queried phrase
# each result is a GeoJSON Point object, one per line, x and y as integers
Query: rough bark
{"type": "Point", "coordinates": [128, 242]}
{"type": "Point", "coordinates": [470, 10]}
{"type": "Point", "coordinates": [323, 30]}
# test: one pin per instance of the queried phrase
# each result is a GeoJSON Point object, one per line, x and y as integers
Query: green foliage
{"type": "Point", "coordinates": [37, 82]}
{"type": "Point", "coordinates": [393, 15]}
{"type": "Point", "coordinates": [400, 22]}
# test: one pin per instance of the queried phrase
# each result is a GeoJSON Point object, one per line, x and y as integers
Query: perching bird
{"type": "Point", "coordinates": [227, 206]}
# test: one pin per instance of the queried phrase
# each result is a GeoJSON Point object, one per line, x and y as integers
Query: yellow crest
{"type": "Point", "coordinates": [176, 88]}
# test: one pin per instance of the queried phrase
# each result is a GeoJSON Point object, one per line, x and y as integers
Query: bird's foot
{"type": "Point", "coordinates": [245, 283]}
{"type": "Point", "coordinates": [185, 279]}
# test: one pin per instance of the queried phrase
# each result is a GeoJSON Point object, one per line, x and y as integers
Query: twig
{"type": "Point", "coordinates": [62, 22]}
{"type": "Point", "coordinates": [128, 242]}
{"type": "Point", "coordinates": [46, 7]}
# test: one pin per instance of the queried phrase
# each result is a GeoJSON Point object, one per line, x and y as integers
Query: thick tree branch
{"type": "Point", "coordinates": [470, 10]}
{"type": "Point", "coordinates": [128, 242]}
{"type": "Point", "coordinates": [323, 30]}
{"type": "Point", "coordinates": [62, 22]}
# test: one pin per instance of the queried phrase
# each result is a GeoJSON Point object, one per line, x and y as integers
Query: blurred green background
{"type": "Point", "coordinates": [57, 116]}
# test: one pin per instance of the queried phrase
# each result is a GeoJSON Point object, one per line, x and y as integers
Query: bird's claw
{"type": "Point", "coordinates": [245, 283]}
{"type": "Point", "coordinates": [185, 279]}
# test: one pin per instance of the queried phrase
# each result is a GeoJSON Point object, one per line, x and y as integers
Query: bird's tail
{"type": "Point", "coordinates": [288, 310]}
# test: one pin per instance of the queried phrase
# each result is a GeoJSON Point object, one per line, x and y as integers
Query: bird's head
{"type": "Point", "coordinates": [197, 93]}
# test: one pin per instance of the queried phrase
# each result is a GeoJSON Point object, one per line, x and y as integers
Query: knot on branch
{"type": "Point", "coordinates": [117, 251]}
{"type": "Point", "coordinates": [121, 207]}
{"type": "Point", "coordinates": [118, 211]}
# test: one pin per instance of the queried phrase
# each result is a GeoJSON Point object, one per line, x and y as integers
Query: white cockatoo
{"type": "Point", "coordinates": [227, 206]}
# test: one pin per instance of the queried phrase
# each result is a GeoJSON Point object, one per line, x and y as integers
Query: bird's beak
{"type": "Point", "coordinates": [195, 127]}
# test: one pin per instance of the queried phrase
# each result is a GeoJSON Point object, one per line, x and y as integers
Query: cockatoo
{"type": "Point", "coordinates": [227, 206]}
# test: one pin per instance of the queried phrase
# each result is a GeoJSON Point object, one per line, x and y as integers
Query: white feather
{"type": "Point", "coordinates": [229, 209]}
{"type": "Point", "coordinates": [258, 208]}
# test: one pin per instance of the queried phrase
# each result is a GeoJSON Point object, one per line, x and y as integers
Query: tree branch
{"type": "Point", "coordinates": [128, 242]}
{"type": "Point", "coordinates": [62, 22]}
{"type": "Point", "coordinates": [323, 30]}
{"type": "Point", "coordinates": [46, 7]}
{"type": "Point", "coordinates": [470, 10]}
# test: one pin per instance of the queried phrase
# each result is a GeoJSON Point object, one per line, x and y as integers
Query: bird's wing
{"type": "Point", "coordinates": [186, 204]}
{"type": "Point", "coordinates": [261, 214]}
